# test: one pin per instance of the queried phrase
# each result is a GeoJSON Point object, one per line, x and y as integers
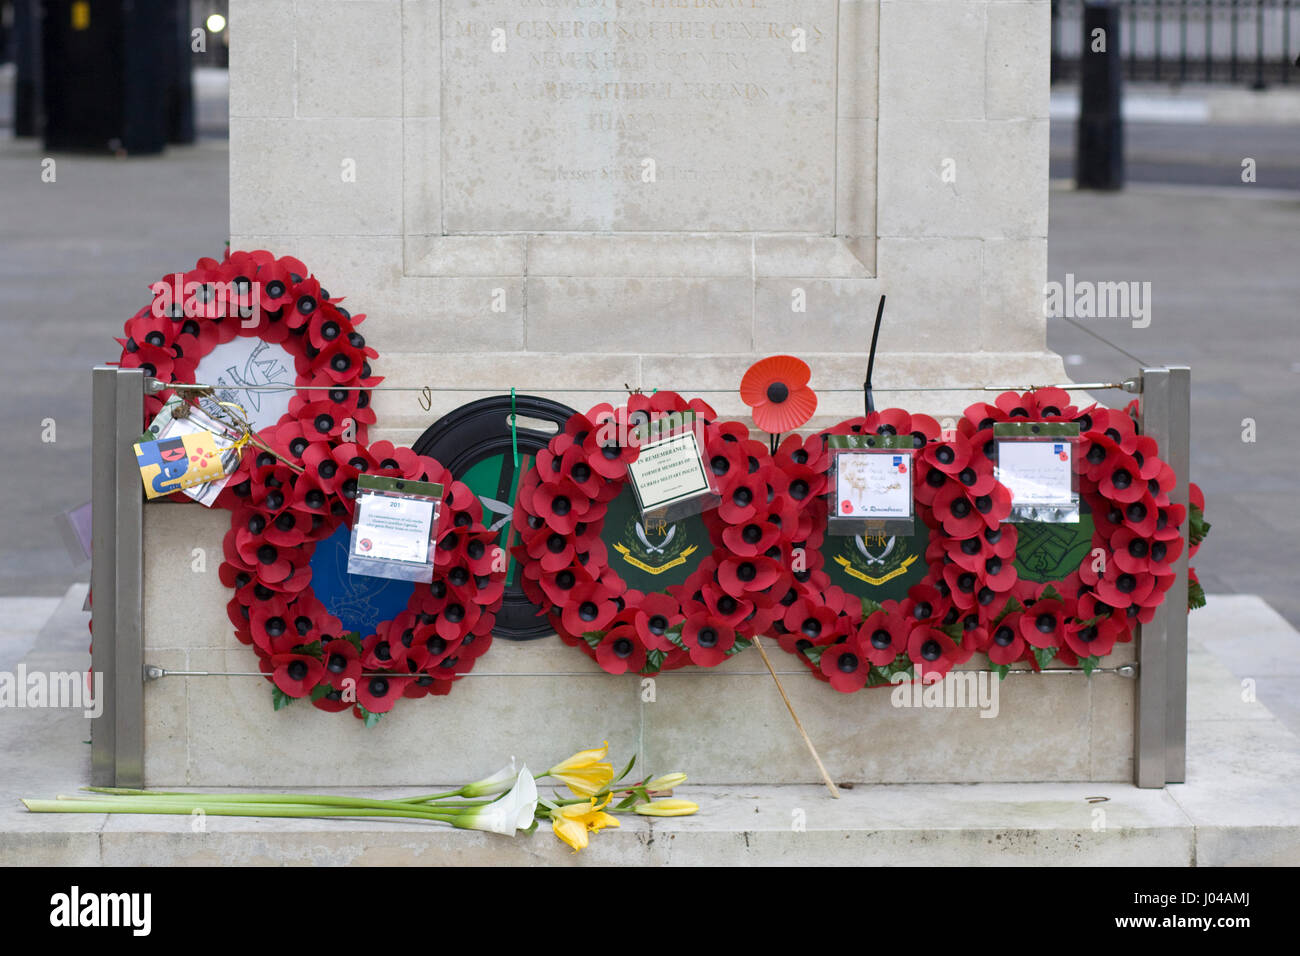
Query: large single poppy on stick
{"type": "Point", "coordinates": [776, 390]}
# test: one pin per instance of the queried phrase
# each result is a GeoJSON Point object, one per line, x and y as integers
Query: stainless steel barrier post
{"type": "Point", "coordinates": [1161, 730]}
{"type": "Point", "coordinates": [117, 577]}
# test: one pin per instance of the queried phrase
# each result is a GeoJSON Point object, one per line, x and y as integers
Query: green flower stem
{"type": "Point", "coordinates": [304, 799]}
{"type": "Point", "coordinates": [229, 809]}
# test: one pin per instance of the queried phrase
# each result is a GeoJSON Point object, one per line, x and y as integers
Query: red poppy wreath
{"type": "Point", "coordinates": [255, 320]}
{"type": "Point", "coordinates": [972, 599]}
{"type": "Point", "coordinates": [284, 508]}
{"type": "Point", "coordinates": [734, 592]}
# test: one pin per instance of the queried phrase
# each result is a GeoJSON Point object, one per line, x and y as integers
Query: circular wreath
{"type": "Point", "coordinates": [254, 294]}
{"type": "Point", "coordinates": [733, 594]}
{"type": "Point", "coordinates": [285, 507]}
{"type": "Point", "coordinates": [972, 599]}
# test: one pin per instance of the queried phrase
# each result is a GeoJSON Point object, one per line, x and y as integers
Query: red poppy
{"type": "Point", "coordinates": [1094, 640]}
{"type": "Point", "coordinates": [378, 693]}
{"type": "Point", "coordinates": [949, 455]}
{"type": "Point", "coordinates": [740, 575]}
{"type": "Point", "coordinates": [776, 390]}
{"type": "Point", "coordinates": [589, 607]}
{"type": "Point", "coordinates": [846, 667]}
{"type": "Point", "coordinates": [731, 610]}
{"type": "Point", "coordinates": [884, 635]}
{"type": "Point", "coordinates": [751, 539]}
{"type": "Point", "coordinates": [744, 499]}
{"type": "Point", "coordinates": [957, 512]}
{"type": "Point", "coordinates": [296, 674]}
{"type": "Point", "coordinates": [932, 652]}
{"type": "Point", "coordinates": [620, 651]}
{"type": "Point", "coordinates": [707, 639]}
{"type": "Point", "coordinates": [1043, 624]}
{"type": "Point", "coordinates": [1006, 645]}
{"type": "Point", "coordinates": [561, 505]}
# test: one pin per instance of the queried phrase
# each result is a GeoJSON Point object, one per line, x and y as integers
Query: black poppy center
{"type": "Point", "coordinates": [970, 546]}
{"type": "Point", "coordinates": [561, 505]}
{"type": "Point", "coordinates": [931, 650]}
{"type": "Point", "coordinates": [922, 610]}
{"type": "Point", "coordinates": [746, 572]}
{"type": "Point", "coordinates": [778, 392]}
{"type": "Point", "coordinates": [657, 624]}
{"type": "Point", "coordinates": [960, 508]}
{"type": "Point", "coordinates": [1158, 551]}
{"type": "Point", "coordinates": [708, 637]}
{"type": "Point", "coordinates": [1045, 623]}
{"type": "Point", "coordinates": [1121, 478]}
{"type": "Point", "coordinates": [848, 663]}
{"type": "Point", "coordinates": [812, 627]}
{"type": "Point", "coordinates": [378, 687]}
{"type": "Point", "coordinates": [798, 489]}
{"type": "Point", "coordinates": [742, 496]}
{"type": "Point", "coordinates": [622, 648]}
{"type": "Point", "coordinates": [945, 455]}
{"type": "Point", "coordinates": [935, 478]}
{"type": "Point", "coordinates": [881, 638]}
{"type": "Point", "coordinates": [1003, 636]}
{"type": "Point", "coordinates": [1138, 548]}
{"type": "Point", "coordinates": [297, 670]}
{"type": "Point", "coordinates": [587, 610]}
{"type": "Point", "coordinates": [337, 664]}
{"type": "Point", "coordinates": [1125, 583]}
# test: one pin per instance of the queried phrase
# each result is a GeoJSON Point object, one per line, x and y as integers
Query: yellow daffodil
{"type": "Point", "coordinates": [667, 783]}
{"type": "Point", "coordinates": [573, 823]}
{"type": "Point", "coordinates": [586, 772]}
{"type": "Point", "coordinates": [666, 808]}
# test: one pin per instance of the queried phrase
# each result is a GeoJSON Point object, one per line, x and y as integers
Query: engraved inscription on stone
{"type": "Point", "coordinates": [638, 115]}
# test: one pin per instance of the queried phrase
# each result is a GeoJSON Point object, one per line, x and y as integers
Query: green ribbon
{"type": "Point", "coordinates": [514, 430]}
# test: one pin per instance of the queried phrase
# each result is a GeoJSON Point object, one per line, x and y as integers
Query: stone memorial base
{"type": "Point", "coordinates": [1237, 807]}
{"type": "Point", "coordinates": [541, 700]}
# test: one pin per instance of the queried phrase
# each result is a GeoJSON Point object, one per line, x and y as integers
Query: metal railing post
{"type": "Point", "coordinates": [117, 577]}
{"type": "Point", "coordinates": [1161, 731]}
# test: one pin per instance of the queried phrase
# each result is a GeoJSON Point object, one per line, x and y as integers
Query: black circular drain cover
{"type": "Point", "coordinates": [474, 442]}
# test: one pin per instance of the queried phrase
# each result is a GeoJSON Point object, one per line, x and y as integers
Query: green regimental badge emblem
{"type": "Point", "coordinates": [876, 558]}
{"type": "Point", "coordinates": [652, 554]}
{"type": "Point", "coordinates": [877, 565]}
{"type": "Point", "coordinates": [1052, 552]}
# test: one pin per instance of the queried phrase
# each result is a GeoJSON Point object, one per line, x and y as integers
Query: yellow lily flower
{"type": "Point", "coordinates": [666, 808]}
{"type": "Point", "coordinates": [668, 782]}
{"type": "Point", "coordinates": [572, 823]}
{"type": "Point", "coordinates": [585, 773]}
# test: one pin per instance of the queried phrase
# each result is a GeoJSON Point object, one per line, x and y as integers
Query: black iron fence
{"type": "Point", "coordinates": [1253, 42]}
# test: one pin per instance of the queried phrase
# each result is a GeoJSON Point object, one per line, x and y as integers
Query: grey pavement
{"type": "Point", "coordinates": [1224, 293]}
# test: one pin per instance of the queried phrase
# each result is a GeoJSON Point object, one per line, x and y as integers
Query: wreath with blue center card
{"type": "Point", "coordinates": [298, 494]}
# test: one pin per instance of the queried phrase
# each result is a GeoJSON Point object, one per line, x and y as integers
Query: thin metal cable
{"type": "Point", "coordinates": [855, 390]}
{"type": "Point", "coordinates": [155, 673]}
{"type": "Point", "coordinates": [1104, 341]}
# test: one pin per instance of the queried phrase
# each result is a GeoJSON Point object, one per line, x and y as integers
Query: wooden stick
{"type": "Point", "coordinates": [830, 785]}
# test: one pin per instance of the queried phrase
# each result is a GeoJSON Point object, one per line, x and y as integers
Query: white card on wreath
{"type": "Point", "coordinates": [1037, 472]}
{"type": "Point", "coordinates": [874, 484]}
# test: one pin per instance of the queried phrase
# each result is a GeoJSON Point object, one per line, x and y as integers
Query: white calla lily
{"type": "Point", "coordinates": [499, 782]}
{"type": "Point", "coordinates": [514, 810]}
